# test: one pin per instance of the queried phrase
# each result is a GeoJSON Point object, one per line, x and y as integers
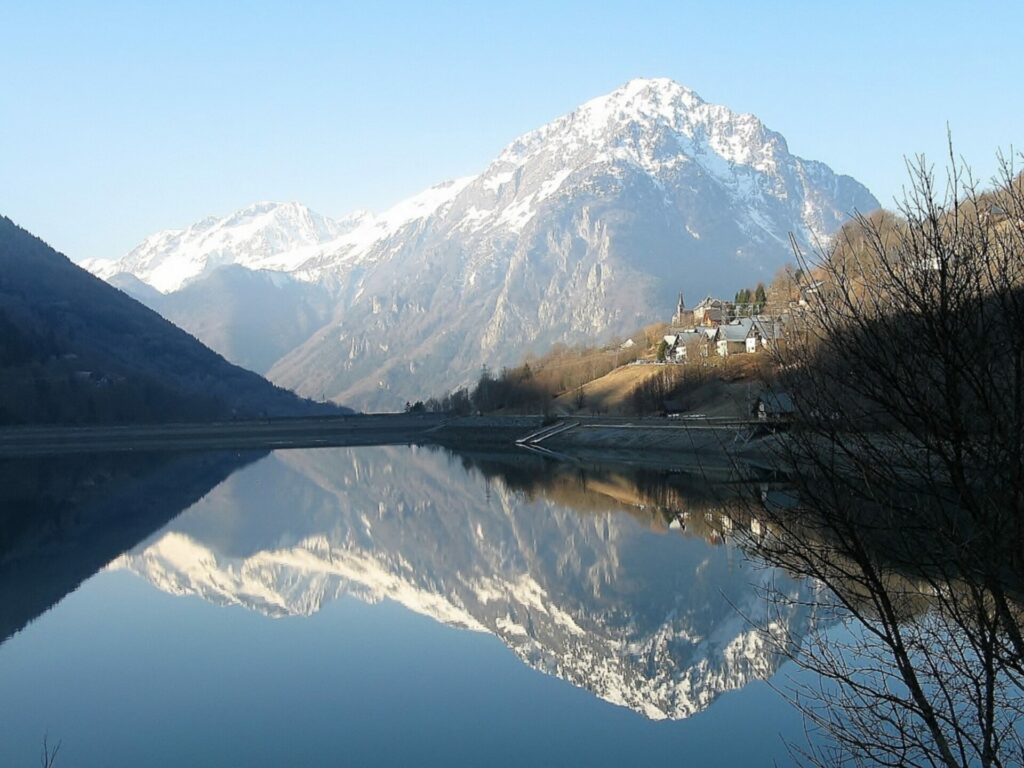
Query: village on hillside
{"type": "Point", "coordinates": [711, 360]}
{"type": "Point", "coordinates": [716, 327]}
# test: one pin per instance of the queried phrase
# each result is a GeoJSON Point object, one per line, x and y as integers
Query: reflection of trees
{"type": "Point", "coordinates": [908, 376]}
{"type": "Point", "coordinates": [918, 667]}
{"type": "Point", "coordinates": [63, 518]}
{"type": "Point", "coordinates": [913, 644]}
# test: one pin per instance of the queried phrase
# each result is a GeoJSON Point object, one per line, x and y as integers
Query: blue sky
{"type": "Point", "coordinates": [120, 119]}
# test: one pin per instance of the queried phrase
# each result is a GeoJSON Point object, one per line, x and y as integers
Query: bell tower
{"type": "Point", "coordinates": [680, 315]}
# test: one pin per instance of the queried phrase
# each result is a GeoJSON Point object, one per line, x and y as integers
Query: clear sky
{"type": "Point", "coordinates": [117, 120]}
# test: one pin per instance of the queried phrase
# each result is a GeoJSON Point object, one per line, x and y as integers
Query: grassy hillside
{"type": "Point", "coordinates": [609, 393]}
{"type": "Point", "coordinates": [722, 388]}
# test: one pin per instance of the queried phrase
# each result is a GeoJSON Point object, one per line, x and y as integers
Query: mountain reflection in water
{"type": "Point", "coordinates": [576, 569]}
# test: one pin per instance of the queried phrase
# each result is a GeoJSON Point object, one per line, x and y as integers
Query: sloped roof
{"type": "Point", "coordinates": [737, 330]}
{"type": "Point", "coordinates": [685, 337]}
{"type": "Point", "coordinates": [768, 327]}
{"type": "Point", "coordinates": [710, 301]}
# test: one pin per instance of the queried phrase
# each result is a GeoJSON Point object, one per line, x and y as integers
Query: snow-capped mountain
{"type": "Point", "coordinates": [642, 619]}
{"type": "Point", "coordinates": [266, 235]}
{"type": "Point", "coordinates": [586, 227]}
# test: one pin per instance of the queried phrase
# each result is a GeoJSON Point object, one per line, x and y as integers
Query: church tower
{"type": "Point", "coordinates": [679, 318]}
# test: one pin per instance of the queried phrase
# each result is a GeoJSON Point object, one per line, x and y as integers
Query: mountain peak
{"type": "Point", "coordinates": [653, 89]}
{"type": "Point", "coordinates": [640, 100]}
{"type": "Point", "coordinates": [652, 115]}
{"type": "Point", "coordinates": [265, 206]}
{"type": "Point", "coordinates": [276, 210]}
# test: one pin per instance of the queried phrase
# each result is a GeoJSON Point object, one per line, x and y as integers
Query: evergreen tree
{"type": "Point", "coordinates": [760, 297]}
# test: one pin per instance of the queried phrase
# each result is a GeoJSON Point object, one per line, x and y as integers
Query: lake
{"type": "Point", "coordinates": [381, 606]}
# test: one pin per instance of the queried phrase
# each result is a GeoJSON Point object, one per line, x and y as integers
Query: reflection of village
{"type": "Point", "coordinates": [715, 505]}
{"type": "Point", "coordinates": [748, 508]}
{"type": "Point", "coordinates": [723, 512]}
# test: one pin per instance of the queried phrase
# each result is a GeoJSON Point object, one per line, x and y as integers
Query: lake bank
{"type": "Point", "coordinates": [722, 437]}
{"type": "Point", "coordinates": [385, 429]}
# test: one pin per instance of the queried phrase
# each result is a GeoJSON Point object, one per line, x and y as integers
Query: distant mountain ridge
{"type": "Point", "coordinates": [586, 227]}
{"type": "Point", "coordinates": [270, 235]}
{"type": "Point", "coordinates": [280, 237]}
{"type": "Point", "coordinates": [251, 316]}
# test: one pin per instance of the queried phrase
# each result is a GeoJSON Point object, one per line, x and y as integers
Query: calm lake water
{"type": "Point", "coordinates": [378, 606]}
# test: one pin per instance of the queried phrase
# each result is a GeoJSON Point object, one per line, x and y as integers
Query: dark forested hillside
{"type": "Point", "coordinates": [73, 349]}
{"type": "Point", "coordinates": [64, 518]}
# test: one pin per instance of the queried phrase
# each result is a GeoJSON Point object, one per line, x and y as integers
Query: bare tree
{"type": "Point", "coordinates": [48, 756]}
{"type": "Point", "coordinates": [580, 397]}
{"type": "Point", "coordinates": [907, 459]}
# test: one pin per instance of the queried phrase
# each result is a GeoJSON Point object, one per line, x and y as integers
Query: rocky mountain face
{"type": "Point", "coordinates": [585, 228]}
{"type": "Point", "coordinates": [599, 596]}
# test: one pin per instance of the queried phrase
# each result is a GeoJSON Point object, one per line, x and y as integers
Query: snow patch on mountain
{"type": "Point", "coordinates": [265, 235]}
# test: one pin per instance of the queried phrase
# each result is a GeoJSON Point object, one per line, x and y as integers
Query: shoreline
{"type": "Point", "coordinates": [722, 437]}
